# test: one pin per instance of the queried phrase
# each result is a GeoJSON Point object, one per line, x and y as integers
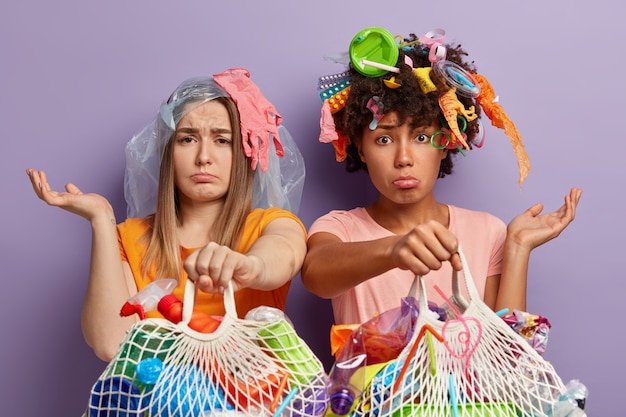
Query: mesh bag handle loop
{"type": "Point", "coordinates": [457, 296]}
{"type": "Point", "coordinates": [189, 298]}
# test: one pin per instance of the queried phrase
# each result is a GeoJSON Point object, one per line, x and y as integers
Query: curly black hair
{"type": "Point", "coordinates": [408, 100]}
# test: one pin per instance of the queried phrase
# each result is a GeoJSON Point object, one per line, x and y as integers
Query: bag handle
{"type": "Point", "coordinates": [189, 300]}
{"type": "Point", "coordinates": [457, 295]}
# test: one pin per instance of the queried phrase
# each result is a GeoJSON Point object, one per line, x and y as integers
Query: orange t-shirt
{"type": "Point", "coordinates": [130, 231]}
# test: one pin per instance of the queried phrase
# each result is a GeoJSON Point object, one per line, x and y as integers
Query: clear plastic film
{"type": "Point", "coordinates": [281, 185]}
{"type": "Point", "coordinates": [142, 171]}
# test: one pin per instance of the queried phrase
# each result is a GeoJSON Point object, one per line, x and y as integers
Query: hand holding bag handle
{"type": "Point", "coordinates": [473, 364]}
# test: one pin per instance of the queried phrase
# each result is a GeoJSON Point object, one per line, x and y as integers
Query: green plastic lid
{"type": "Point", "coordinates": [376, 45]}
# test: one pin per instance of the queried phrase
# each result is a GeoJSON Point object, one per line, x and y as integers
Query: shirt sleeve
{"type": "Point", "coordinates": [256, 222]}
{"type": "Point", "coordinates": [337, 222]}
{"type": "Point", "coordinates": [498, 231]}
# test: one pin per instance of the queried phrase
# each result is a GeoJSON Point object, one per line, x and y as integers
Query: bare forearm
{"type": "Point", "coordinates": [513, 281]}
{"type": "Point", "coordinates": [330, 269]}
{"type": "Point", "coordinates": [107, 290]}
{"type": "Point", "coordinates": [281, 256]}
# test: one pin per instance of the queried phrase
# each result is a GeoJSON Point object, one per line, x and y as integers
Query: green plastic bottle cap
{"type": "Point", "coordinates": [376, 45]}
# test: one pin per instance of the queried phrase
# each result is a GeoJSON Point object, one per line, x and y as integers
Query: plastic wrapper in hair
{"type": "Point", "coordinates": [281, 185]}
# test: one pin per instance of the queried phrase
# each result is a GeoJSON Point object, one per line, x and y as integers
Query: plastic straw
{"type": "Point", "coordinates": [285, 402]}
{"type": "Point", "coordinates": [380, 66]}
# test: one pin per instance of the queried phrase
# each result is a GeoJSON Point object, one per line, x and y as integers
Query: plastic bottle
{"type": "Point", "coordinates": [346, 383]}
{"type": "Point", "coordinates": [346, 380]}
{"type": "Point", "coordinates": [148, 298]}
{"type": "Point", "coordinates": [282, 341]}
{"type": "Point", "coordinates": [158, 296]}
{"type": "Point", "coordinates": [114, 395]}
{"type": "Point", "coordinates": [189, 392]}
{"type": "Point", "coordinates": [312, 402]}
{"type": "Point", "coordinates": [347, 377]}
{"type": "Point", "coordinates": [572, 402]}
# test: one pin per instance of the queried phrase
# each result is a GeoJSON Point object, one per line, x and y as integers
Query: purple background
{"type": "Point", "coordinates": [78, 78]}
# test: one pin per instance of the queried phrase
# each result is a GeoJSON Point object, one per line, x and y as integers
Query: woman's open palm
{"type": "Point", "coordinates": [72, 199]}
{"type": "Point", "coordinates": [531, 228]}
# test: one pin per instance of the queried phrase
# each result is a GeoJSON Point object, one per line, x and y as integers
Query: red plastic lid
{"type": "Point", "coordinates": [167, 301]}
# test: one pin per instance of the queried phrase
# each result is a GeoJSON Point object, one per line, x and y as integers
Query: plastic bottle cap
{"type": "Point", "coordinates": [166, 307]}
{"type": "Point", "coordinates": [341, 402]}
{"type": "Point", "coordinates": [373, 44]}
{"type": "Point", "coordinates": [148, 370]}
{"type": "Point", "coordinates": [167, 301]}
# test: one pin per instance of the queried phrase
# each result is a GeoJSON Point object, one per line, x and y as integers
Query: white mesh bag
{"type": "Point", "coordinates": [472, 365]}
{"type": "Point", "coordinates": [245, 367]}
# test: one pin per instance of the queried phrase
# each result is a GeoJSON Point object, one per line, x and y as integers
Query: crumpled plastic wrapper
{"type": "Point", "coordinates": [532, 327]}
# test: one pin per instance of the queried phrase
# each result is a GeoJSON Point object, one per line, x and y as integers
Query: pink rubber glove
{"type": "Point", "coordinates": [328, 132]}
{"type": "Point", "coordinates": [259, 118]}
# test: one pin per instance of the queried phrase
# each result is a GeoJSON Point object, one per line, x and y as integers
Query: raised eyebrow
{"type": "Point", "coordinates": [222, 130]}
{"type": "Point", "coordinates": [186, 130]}
{"type": "Point", "coordinates": [386, 126]}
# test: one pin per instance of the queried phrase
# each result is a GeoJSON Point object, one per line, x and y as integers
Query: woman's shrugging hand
{"type": "Point", "coordinates": [72, 199]}
{"type": "Point", "coordinates": [532, 229]}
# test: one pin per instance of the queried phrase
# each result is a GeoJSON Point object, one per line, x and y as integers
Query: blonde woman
{"type": "Point", "coordinates": [215, 215]}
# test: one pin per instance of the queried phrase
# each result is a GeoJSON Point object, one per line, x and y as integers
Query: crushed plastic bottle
{"type": "Point", "coordinates": [572, 402]}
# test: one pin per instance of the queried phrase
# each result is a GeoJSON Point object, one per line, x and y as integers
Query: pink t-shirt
{"type": "Point", "coordinates": [481, 236]}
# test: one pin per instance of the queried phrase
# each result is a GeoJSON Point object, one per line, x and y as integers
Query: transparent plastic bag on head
{"type": "Point", "coordinates": [281, 185]}
{"type": "Point", "coordinates": [142, 171]}
{"type": "Point", "coordinates": [144, 150]}
{"type": "Point", "coordinates": [197, 90]}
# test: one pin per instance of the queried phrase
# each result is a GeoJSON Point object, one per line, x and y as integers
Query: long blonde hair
{"type": "Point", "coordinates": [162, 257]}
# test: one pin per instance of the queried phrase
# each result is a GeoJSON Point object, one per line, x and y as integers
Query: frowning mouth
{"type": "Point", "coordinates": [203, 177]}
{"type": "Point", "coordinates": [406, 182]}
